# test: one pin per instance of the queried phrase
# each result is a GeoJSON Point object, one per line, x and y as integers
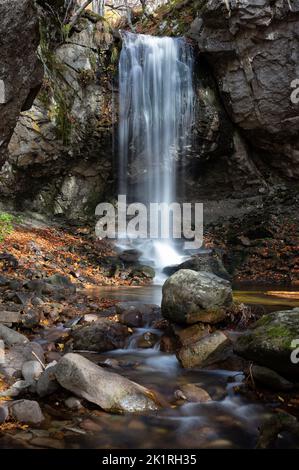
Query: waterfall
{"type": "Point", "coordinates": [156, 113]}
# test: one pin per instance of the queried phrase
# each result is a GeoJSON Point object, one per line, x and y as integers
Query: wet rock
{"type": "Point", "coordinates": [110, 391]}
{"type": "Point", "coordinates": [208, 262]}
{"type": "Point", "coordinates": [197, 354]}
{"type": "Point", "coordinates": [26, 411]}
{"type": "Point", "coordinates": [12, 337]}
{"type": "Point", "coordinates": [130, 256]}
{"type": "Point", "coordinates": [47, 383]}
{"type": "Point", "coordinates": [143, 271]}
{"type": "Point", "coordinates": [31, 370]}
{"type": "Point", "coordinates": [192, 393]}
{"type": "Point", "coordinates": [147, 340]}
{"type": "Point", "coordinates": [102, 336]}
{"type": "Point", "coordinates": [269, 342]}
{"type": "Point", "coordinates": [270, 378]}
{"type": "Point", "coordinates": [274, 427]}
{"type": "Point", "coordinates": [137, 314]}
{"type": "Point", "coordinates": [190, 335]}
{"type": "Point", "coordinates": [73, 403]}
{"type": "Point", "coordinates": [191, 297]}
{"type": "Point", "coordinates": [47, 443]}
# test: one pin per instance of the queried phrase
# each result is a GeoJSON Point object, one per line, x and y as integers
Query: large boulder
{"type": "Point", "coordinates": [20, 69]}
{"type": "Point", "coordinates": [191, 297]}
{"type": "Point", "coordinates": [269, 342]}
{"type": "Point", "coordinates": [110, 391]}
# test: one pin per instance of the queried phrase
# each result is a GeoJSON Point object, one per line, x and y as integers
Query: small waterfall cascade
{"type": "Point", "coordinates": [156, 114]}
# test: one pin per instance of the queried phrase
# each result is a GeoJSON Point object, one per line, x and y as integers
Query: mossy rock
{"type": "Point", "coordinates": [269, 342]}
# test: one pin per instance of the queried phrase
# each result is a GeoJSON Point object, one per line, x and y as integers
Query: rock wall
{"type": "Point", "coordinates": [60, 155]}
{"type": "Point", "coordinates": [253, 48]}
{"type": "Point", "coordinates": [20, 70]}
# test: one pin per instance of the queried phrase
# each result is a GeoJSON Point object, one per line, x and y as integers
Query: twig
{"type": "Point", "coordinates": [41, 363]}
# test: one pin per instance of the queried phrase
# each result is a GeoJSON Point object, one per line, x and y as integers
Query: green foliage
{"type": "Point", "coordinates": [6, 225]}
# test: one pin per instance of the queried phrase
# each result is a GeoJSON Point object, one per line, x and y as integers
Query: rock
{"type": "Point", "coordinates": [3, 413]}
{"type": "Point", "coordinates": [31, 370]}
{"type": "Point", "coordinates": [102, 336]}
{"type": "Point", "coordinates": [190, 335]}
{"type": "Point", "coordinates": [73, 403]}
{"type": "Point", "coordinates": [26, 411]}
{"type": "Point", "coordinates": [147, 340]}
{"type": "Point", "coordinates": [208, 262]}
{"type": "Point", "coordinates": [143, 271]}
{"type": "Point", "coordinates": [192, 393]}
{"type": "Point", "coordinates": [137, 315]}
{"type": "Point", "coordinates": [130, 256]}
{"type": "Point", "coordinates": [269, 342]}
{"type": "Point", "coordinates": [197, 354]}
{"type": "Point", "coordinates": [47, 383]}
{"type": "Point", "coordinates": [17, 355]}
{"type": "Point", "coordinates": [12, 337]}
{"type": "Point", "coordinates": [110, 391]}
{"type": "Point", "coordinates": [9, 317]}
{"type": "Point", "coordinates": [270, 378]}
{"type": "Point", "coordinates": [30, 319]}
{"type": "Point", "coordinates": [190, 297]}
{"type": "Point", "coordinates": [16, 389]}
{"type": "Point", "coordinates": [240, 40]}
{"type": "Point", "coordinates": [58, 280]}
{"type": "Point", "coordinates": [21, 72]}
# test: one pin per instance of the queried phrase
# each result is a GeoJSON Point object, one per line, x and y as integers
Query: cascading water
{"type": "Point", "coordinates": [156, 114]}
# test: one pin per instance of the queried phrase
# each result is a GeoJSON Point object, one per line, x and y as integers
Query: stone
{"type": "Point", "coordinates": [31, 370]}
{"type": "Point", "coordinates": [130, 256]}
{"type": "Point", "coordinates": [110, 391]}
{"type": "Point", "coordinates": [9, 317]}
{"type": "Point", "coordinates": [269, 342]}
{"type": "Point", "coordinates": [26, 411]}
{"type": "Point", "coordinates": [58, 280]}
{"type": "Point", "coordinates": [192, 393]}
{"type": "Point", "coordinates": [73, 403]}
{"type": "Point", "coordinates": [47, 383]}
{"type": "Point", "coordinates": [197, 354]}
{"type": "Point", "coordinates": [16, 389]}
{"type": "Point", "coordinates": [190, 297]}
{"type": "Point", "coordinates": [270, 378]}
{"type": "Point", "coordinates": [147, 340]}
{"type": "Point", "coordinates": [12, 337]}
{"type": "Point", "coordinates": [208, 262]}
{"type": "Point", "coordinates": [101, 336]}
{"type": "Point", "coordinates": [137, 314]}
{"type": "Point", "coordinates": [17, 355]}
{"type": "Point", "coordinates": [143, 271]}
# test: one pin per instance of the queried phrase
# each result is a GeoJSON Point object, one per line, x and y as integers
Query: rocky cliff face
{"type": "Point", "coordinates": [20, 70]}
{"type": "Point", "coordinates": [63, 144]}
{"type": "Point", "coordinates": [253, 48]}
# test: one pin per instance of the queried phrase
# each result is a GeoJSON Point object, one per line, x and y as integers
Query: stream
{"type": "Point", "coordinates": [228, 421]}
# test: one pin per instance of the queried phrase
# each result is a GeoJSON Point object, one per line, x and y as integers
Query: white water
{"type": "Point", "coordinates": [156, 113]}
